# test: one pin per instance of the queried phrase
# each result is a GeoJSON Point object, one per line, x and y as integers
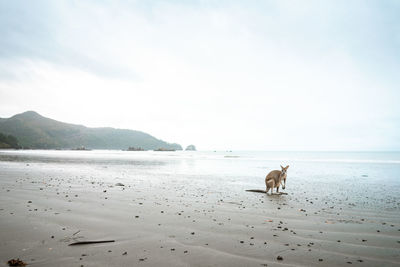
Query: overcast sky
{"type": "Point", "coordinates": [240, 75]}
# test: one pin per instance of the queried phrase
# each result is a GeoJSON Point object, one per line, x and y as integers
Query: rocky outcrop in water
{"type": "Point", "coordinates": [191, 148]}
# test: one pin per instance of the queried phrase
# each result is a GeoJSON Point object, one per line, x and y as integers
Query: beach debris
{"type": "Point", "coordinates": [279, 258]}
{"type": "Point", "coordinates": [142, 259]}
{"type": "Point", "coordinates": [76, 232]}
{"type": "Point", "coordinates": [90, 242]}
{"type": "Point", "coordinates": [16, 262]}
{"type": "Point", "coordinates": [125, 253]}
{"type": "Point", "coordinates": [119, 184]}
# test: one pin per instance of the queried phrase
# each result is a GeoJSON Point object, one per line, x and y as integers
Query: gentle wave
{"type": "Point", "coordinates": [285, 157]}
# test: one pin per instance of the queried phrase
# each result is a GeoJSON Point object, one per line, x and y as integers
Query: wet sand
{"type": "Point", "coordinates": [170, 222]}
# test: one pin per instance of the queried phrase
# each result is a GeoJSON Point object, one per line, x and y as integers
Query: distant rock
{"type": "Point", "coordinates": [131, 148]}
{"type": "Point", "coordinates": [164, 149]}
{"type": "Point", "coordinates": [191, 148]}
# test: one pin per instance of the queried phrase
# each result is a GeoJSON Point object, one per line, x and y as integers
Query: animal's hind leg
{"type": "Point", "coordinates": [270, 184]}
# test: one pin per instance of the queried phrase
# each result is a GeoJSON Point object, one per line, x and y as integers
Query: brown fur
{"type": "Point", "coordinates": [275, 178]}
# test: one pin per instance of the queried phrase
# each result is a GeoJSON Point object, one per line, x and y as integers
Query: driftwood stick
{"type": "Point", "coordinates": [90, 242]}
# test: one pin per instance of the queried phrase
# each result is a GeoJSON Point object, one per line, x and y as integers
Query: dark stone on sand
{"type": "Point", "coordinates": [125, 253]}
{"type": "Point", "coordinates": [119, 184]}
{"type": "Point", "coordinates": [16, 262]}
{"type": "Point", "coordinates": [279, 258]}
{"type": "Point", "coordinates": [320, 259]}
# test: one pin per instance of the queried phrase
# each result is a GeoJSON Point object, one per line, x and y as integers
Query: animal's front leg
{"type": "Point", "coordinates": [277, 190]}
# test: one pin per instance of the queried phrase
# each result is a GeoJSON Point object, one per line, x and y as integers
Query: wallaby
{"type": "Point", "coordinates": [275, 178]}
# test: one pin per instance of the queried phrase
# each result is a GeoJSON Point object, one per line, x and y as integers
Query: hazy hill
{"type": "Point", "coordinates": [36, 131]}
{"type": "Point", "coordinates": [8, 141]}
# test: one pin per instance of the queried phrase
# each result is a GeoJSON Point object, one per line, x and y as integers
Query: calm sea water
{"type": "Point", "coordinates": [366, 179]}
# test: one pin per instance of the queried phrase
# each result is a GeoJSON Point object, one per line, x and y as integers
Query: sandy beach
{"type": "Point", "coordinates": [170, 211]}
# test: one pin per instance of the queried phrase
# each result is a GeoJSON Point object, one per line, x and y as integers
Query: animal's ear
{"type": "Point", "coordinates": [287, 167]}
{"type": "Point", "coordinates": [282, 167]}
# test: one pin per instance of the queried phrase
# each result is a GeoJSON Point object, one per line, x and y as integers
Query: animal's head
{"type": "Point", "coordinates": [284, 171]}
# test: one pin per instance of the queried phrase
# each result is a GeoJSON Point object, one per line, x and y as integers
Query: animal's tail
{"type": "Point", "coordinates": [256, 191]}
